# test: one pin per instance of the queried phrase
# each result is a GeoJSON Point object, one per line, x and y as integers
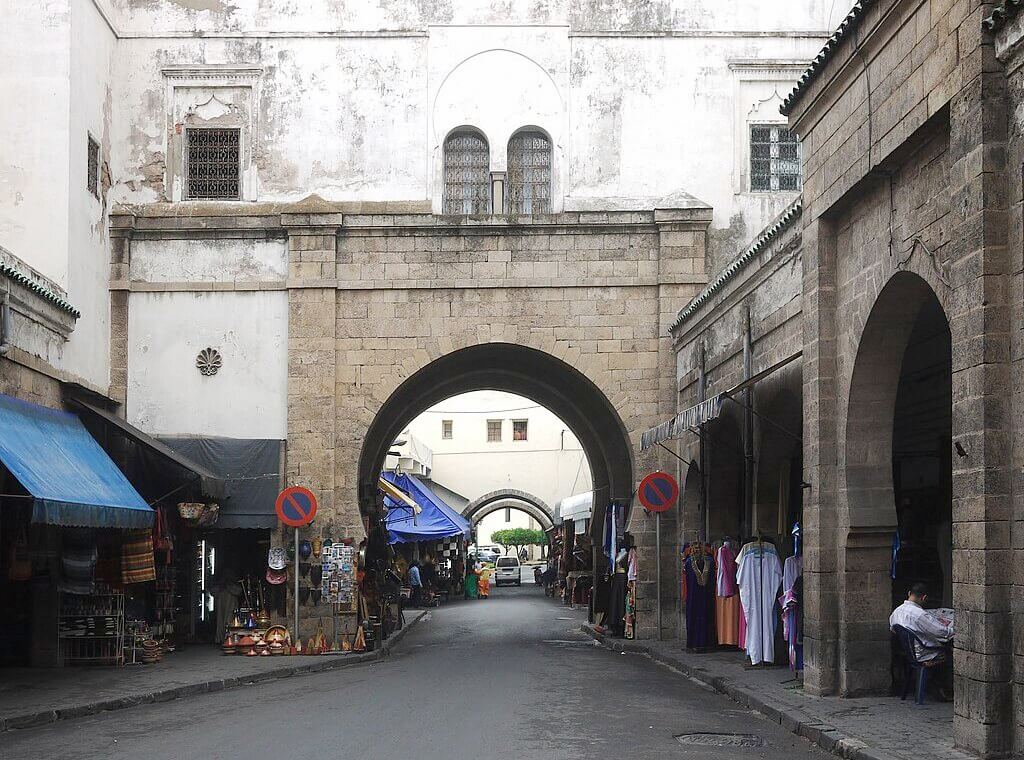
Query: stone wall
{"type": "Point", "coordinates": [763, 290]}
{"type": "Point", "coordinates": [905, 198]}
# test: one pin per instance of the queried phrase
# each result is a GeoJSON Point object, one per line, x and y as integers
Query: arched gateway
{"type": "Point", "coordinates": [390, 313]}
{"type": "Point", "coordinates": [479, 508]}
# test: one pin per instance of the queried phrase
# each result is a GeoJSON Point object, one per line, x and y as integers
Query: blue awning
{"type": "Point", "coordinates": [71, 479]}
{"type": "Point", "coordinates": [436, 519]}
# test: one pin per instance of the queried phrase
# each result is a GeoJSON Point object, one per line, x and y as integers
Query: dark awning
{"type": "Point", "coordinates": [70, 477]}
{"type": "Point", "coordinates": [213, 487]}
{"type": "Point", "coordinates": [705, 411]}
{"type": "Point", "coordinates": [252, 470]}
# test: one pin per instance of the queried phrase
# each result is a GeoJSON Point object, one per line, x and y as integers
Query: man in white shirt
{"type": "Point", "coordinates": [935, 636]}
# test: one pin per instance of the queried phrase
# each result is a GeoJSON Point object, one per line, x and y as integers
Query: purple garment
{"type": "Point", "coordinates": [700, 606]}
{"type": "Point", "coordinates": [727, 571]}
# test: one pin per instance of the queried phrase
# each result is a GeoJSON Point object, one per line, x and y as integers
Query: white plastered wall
{"type": "Point", "coordinates": [247, 398]}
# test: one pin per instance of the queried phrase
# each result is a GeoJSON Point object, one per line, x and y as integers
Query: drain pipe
{"type": "Point", "coordinates": [5, 324]}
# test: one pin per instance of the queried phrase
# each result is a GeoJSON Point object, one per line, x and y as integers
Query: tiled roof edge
{"type": "Point", "coordinates": [1001, 15]}
{"type": "Point", "coordinates": [772, 231]}
{"type": "Point", "coordinates": [849, 24]}
{"type": "Point", "coordinates": [45, 293]}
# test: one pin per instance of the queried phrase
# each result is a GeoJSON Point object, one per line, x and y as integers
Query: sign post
{"type": "Point", "coordinates": [296, 507]}
{"type": "Point", "coordinates": [657, 493]}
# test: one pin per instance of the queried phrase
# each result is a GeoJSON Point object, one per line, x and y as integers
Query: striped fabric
{"type": "Point", "coordinates": [137, 565]}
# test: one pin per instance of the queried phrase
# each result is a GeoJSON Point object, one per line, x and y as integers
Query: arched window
{"type": "Point", "coordinates": [529, 173]}
{"type": "Point", "coordinates": [466, 175]}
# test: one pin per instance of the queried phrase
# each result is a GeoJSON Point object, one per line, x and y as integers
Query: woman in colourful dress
{"type": "Point", "coordinates": [472, 580]}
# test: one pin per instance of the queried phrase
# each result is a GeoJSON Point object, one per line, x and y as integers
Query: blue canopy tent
{"type": "Point", "coordinates": [436, 519]}
{"type": "Point", "coordinates": [71, 479]}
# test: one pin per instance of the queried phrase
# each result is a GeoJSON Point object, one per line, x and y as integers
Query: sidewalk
{"type": "Point", "coordinates": [863, 728]}
{"type": "Point", "coordinates": [34, 696]}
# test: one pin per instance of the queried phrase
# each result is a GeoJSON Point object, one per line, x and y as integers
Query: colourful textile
{"type": "Point", "coordinates": [472, 586]}
{"type": "Point", "coordinates": [726, 571]}
{"type": "Point", "coordinates": [700, 600]}
{"type": "Point", "coordinates": [137, 565]}
{"type": "Point", "coordinates": [727, 619]}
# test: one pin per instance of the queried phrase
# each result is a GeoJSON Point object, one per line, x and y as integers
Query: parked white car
{"type": "Point", "coordinates": [507, 570]}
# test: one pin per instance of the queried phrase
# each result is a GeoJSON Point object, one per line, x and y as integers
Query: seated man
{"type": "Point", "coordinates": [934, 647]}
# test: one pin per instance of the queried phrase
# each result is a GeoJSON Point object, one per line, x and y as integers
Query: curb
{"type": "Point", "coordinates": [336, 662]}
{"type": "Point", "coordinates": [824, 735]}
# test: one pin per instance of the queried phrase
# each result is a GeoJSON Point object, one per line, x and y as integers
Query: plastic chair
{"type": "Point", "coordinates": [911, 665]}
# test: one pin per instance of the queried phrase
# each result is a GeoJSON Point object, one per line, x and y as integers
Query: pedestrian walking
{"type": "Point", "coordinates": [472, 580]}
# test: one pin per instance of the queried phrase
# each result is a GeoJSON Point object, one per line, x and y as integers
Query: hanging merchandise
{"type": "Point", "coordinates": [792, 591]}
{"type": "Point", "coordinates": [162, 541]}
{"type": "Point", "coordinates": [632, 567]}
{"type": "Point", "coordinates": [277, 558]}
{"type": "Point", "coordinates": [137, 563]}
{"type": "Point", "coordinates": [78, 562]}
{"type": "Point", "coordinates": [337, 582]}
{"type": "Point", "coordinates": [759, 577]}
{"type": "Point", "coordinates": [728, 611]}
{"type": "Point", "coordinates": [699, 594]}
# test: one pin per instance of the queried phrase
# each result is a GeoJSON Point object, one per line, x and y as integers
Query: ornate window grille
{"type": "Point", "coordinates": [446, 430]}
{"type": "Point", "coordinates": [466, 174]}
{"type": "Point", "coordinates": [529, 173]}
{"type": "Point", "coordinates": [92, 175]}
{"type": "Point", "coordinates": [774, 159]}
{"type": "Point", "coordinates": [212, 165]}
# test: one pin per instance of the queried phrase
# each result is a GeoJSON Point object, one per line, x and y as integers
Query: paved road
{"type": "Point", "coordinates": [502, 678]}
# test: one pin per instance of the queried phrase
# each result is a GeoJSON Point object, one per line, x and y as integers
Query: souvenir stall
{"type": "Point", "coordinates": [577, 549]}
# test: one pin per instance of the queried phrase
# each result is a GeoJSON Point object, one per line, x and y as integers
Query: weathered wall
{"type": "Point", "coordinates": [35, 75]}
{"type": "Point", "coordinates": [88, 251]}
{"type": "Point", "coordinates": [168, 395]}
{"type": "Point", "coordinates": [915, 98]}
{"type": "Point", "coordinates": [355, 104]}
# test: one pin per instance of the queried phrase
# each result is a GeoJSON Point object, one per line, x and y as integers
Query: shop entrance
{"type": "Point", "coordinates": [534, 375]}
{"type": "Point", "coordinates": [898, 472]}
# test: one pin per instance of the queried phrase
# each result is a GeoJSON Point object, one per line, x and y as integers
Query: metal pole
{"type": "Point", "coordinates": [657, 574]}
{"type": "Point", "coordinates": [295, 567]}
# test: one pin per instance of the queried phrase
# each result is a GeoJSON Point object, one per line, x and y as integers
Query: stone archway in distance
{"type": "Point", "coordinates": [512, 498]}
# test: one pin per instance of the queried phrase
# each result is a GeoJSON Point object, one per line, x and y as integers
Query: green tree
{"type": "Point", "coordinates": [517, 538]}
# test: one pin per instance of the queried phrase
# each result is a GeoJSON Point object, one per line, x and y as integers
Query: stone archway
{"type": "Point", "coordinates": [866, 480]}
{"type": "Point", "coordinates": [540, 376]}
{"type": "Point", "coordinates": [479, 508]}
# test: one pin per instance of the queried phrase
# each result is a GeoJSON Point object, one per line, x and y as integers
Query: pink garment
{"type": "Point", "coordinates": [727, 571]}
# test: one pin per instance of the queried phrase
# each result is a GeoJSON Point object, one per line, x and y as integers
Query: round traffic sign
{"type": "Point", "coordinates": [296, 506]}
{"type": "Point", "coordinates": [658, 492]}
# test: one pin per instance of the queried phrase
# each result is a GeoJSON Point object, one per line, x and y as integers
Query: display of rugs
{"type": "Point", "coordinates": [137, 565]}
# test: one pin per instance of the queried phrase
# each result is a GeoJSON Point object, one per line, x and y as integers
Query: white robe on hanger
{"type": "Point", "coordinates": [759, 577]}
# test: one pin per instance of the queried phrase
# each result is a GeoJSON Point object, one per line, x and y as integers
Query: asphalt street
{"type": "Point", "coordinates": [501, 678]}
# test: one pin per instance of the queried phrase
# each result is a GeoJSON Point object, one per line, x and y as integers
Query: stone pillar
{"type": "Point", "coordinates": [122, 226]}
{"type": "Point", "coordinates": [979, 320]}
{"type": "Point", "coordinates": [819, 434]}
{"type": "Point", "coordinates": [311, 361]}
{"type": "Point", "coordinates": [682, 252]}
